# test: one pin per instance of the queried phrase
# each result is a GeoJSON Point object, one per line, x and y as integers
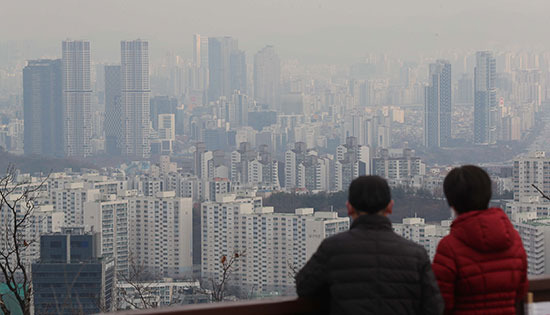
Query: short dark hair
{"type": "Point", "coordinates": [467, 188]}
{"type": "Point", "coordinates": [369, 194]}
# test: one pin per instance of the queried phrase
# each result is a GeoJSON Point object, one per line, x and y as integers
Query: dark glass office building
{"type": "Point", "coordinates": [43, 108]}
{"type": "Point", "coordinates": [70, 278]}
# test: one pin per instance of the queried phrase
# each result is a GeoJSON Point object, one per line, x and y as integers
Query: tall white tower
{"type": "Point", "coordinates": [135, 98]}
{"type": "Point", "coordinates": [77, 92]}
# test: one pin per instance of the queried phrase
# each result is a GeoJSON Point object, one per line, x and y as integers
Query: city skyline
{"type": "Point", "coordinates": [426, 24]}
{"type": "Point", "coordinates": [204, 152]}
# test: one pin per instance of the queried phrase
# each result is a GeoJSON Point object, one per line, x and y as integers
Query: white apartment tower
{"type": "Point", "coordinates": [109, 217]}
{"type": "Point", "coordinates": [535, 235]}
{"type": "Point", "coordinates": [427, 235]}
{"type": "Point", "coordinates": [273, 243]}
{"type": "Point", "coordinates": [135, 98]}
{"type": "Point", "coordinates": [77, 92]}
{"type": "Point", "coordinates": [43, 220]}
{"type": "Point", "coordinates": [161, 233]}
{"type": "Point", "coordinates": [293, 159]}
{"type": "Point", "coordinates": [70, 199]}
{"type": "Point", "coordinates": [352, 160]}
{"type": "Point", "coordinates": [530, 170]}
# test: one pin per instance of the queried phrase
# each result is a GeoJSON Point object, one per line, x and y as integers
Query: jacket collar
{"type": "Point", "coordinates": [371, 221]}
{"type": "Point", "coordinates": [467, 216]}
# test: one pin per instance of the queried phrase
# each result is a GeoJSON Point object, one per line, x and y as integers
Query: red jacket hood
{"type": "Point", "coordinates": [487, 230]}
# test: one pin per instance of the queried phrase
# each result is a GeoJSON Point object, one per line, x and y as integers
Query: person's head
{"type": "Point", "coordinates": [467, 188]}
{"type": "Point", "coordinates": [369, 195]}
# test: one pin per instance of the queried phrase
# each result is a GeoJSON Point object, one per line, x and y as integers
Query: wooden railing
{"type": "Point", "coordinates": [254, 307]}
{"type": "Point", "coordinates": [538, 285]}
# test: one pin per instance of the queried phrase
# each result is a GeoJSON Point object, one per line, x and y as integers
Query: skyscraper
{"type": "Point", "coordinates": [437, 111]}
{"type": "Point", "coordinates": [161, 105]}
{"type": "Point", "coordinates": [267, 77]}
{"type": "Point", "coordinates": [465, 90]}
{"type": "Point", "coordinates": [113, 110]}
{"type": "Point", "coordinates": [77, 92]}
{"type": "Point", "coordinates": [43, 108]}
{"type": "Point", "coordinates": [219, 64]}
{"type": "Point", "coordinates": [237, 70]}
{"type": "Point", "coordinates": [200, 50]}
{"type": "Point", "coordinates": [200, 60]}
{"type": "Point", "coordinates": [135, 98]}
{"type": "Point", "coordinates": [485, 104]}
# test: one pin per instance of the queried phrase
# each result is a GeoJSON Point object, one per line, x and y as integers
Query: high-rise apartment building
{"type": "Point", "coordinates": [70, 199]}
{"type": "Point", "coordinates": [314, 173]}
{"type": "Point", "coordinates": [240, 160]}
{"type": "Point", "coordinates": [161, 233]}
{"type": "Point", "coordinates": [397, 166]}
{"type": "Point", "coordinates": [267, 77]}
{"type": "Point", "coordinates": [43, 108]}
{"type": "Point", "coordinates": [272, 243]}
{"type": "Point", "coordinates": [204, 162]}
{"type": "Point", "coordinates": [533, 169]}
{"type": "Point", "coordinates": [485, 103]}
{"type": "Point", "coordinates": [113, 110]}
{"type": "Point", "coordinates": [109, 218]}
{"type": "Point", "coordinates": [352, 160]}
{"type": "Point", "coordinates": [372, 130]}
{"type": "Point", "coordinates": [257, 169]}
{"type": "Point", "coordinates": [535, 235]}
{"type": "Point", "coordinates": [293, 159]}
{"type": "Point", "coordinates": [437, 110]}
{"type": "Point", "coordinates": [77, 93]}
{"type": "Point", "coordinates": [427, 235]}
{"type": "Point", "coordinates": [529, 88]}
{"type": "Point", "coordinates": [43, 219]}
{"type": "Point", "coordinates": [135, 98]}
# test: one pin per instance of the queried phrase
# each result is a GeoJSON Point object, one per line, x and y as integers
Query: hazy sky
{"type": "Point", "coordinates": [319, 30]}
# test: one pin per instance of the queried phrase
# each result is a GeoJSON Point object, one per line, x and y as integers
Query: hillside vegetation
{"type": "Point", "coordinates": [406, 204]}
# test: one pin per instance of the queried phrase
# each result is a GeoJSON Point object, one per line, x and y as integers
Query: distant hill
{"type": "Point", "coordinates": [406, 205]}
{"type": "Point", "coordinates": [33, 164]}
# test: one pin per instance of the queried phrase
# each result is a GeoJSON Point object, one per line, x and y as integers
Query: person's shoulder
{"type": "Point", "coordinates": [336, 240]}
{"type": "Point", "coordinates": [410, 246]}
{"type": "Point", "coordinates": [447, 242]}
{"type": "Point", "coordinates": [338, 237]}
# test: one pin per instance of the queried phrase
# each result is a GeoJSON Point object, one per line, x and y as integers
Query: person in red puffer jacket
{"type": "Point", "coordinates": [481, 266]}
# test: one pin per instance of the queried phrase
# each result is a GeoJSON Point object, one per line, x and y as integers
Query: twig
{"type": "Point", "coordinates": [543, 195]}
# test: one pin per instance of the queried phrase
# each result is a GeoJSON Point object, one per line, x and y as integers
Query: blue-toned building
{"type": "Point", "coordinates": [70, 277]}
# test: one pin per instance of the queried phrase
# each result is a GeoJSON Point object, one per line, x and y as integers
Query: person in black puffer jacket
{"type": "Point", "coordinates": [370, 269]}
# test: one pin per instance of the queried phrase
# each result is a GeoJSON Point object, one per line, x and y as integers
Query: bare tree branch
{"type": "Point", "coordinates": [17, 204]}
{"type": "Point", "coordinates": [141, 282]}
{"type": "Point", "coordinates": [543, 195]}
{"type": "Point", "coordinates": [219, 286]}
{"type": "Point", "coordinates": [293, 269]}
